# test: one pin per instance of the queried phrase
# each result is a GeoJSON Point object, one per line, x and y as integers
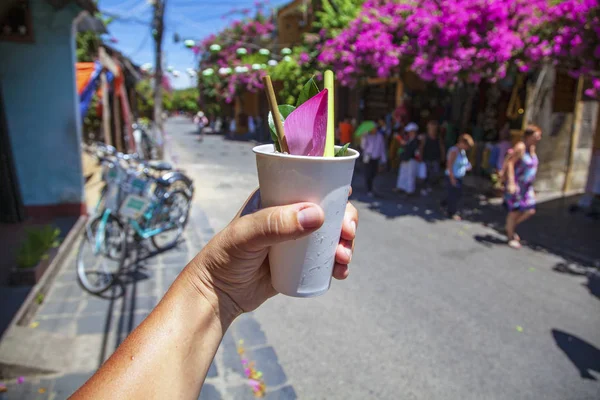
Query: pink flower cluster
{"type": "Point", "coordinates": [251, 35]}
{"type": "Point", "coordinates": [570, 37]}
{"type": "Point", "coordinates": [468, 40]}
{"type": "Point", "coordinates": [441, 40]}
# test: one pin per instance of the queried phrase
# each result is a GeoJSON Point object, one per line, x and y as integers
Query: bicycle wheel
{"type": "Point", "coordinates": [174, 212]}
{"type": "Point", "coordinates": [96, 270]}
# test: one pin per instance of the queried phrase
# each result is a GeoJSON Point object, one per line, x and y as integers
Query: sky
{"type": "Point", "coordinates": [191, 19]}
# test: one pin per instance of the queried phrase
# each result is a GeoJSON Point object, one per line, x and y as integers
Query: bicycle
{"type": "Point", "coordinates": [133, 202]}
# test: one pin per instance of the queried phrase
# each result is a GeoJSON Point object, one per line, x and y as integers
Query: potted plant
{"type": "Point", "coordinates": [304, 165]}
{"type": "Point", "coordinates": [35, 255]}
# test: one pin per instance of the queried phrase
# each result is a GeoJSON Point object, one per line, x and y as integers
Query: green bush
{"type": "Point", "coordinates": [37, 245]}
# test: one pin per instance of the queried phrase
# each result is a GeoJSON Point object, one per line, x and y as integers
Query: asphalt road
{"type": "Point", "coordinates": [428, 312]}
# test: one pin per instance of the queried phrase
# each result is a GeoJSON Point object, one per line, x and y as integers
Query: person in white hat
{"type": "Point", "coordinates": [201, 122]}
{"type": "Point", "coordinates": [407, 173]}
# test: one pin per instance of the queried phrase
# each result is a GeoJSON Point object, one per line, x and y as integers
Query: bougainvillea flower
{"type": "Point", "coordinates": [306, 127]}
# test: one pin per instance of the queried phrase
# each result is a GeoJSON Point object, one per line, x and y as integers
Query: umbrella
{"type": "Point", "coordinates": [363, 128]}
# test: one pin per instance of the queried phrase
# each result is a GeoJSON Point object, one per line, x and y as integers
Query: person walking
{"type": "Point", "coordinates": [433, 152]}
{"type": "Point", "coordinates": [374, 157]}
{"type": "Point", "coordinates": [346, 131]}
{"type": "Point", "coordinates": [456, 168]}
{"type": "Point", "coordinates": [521, 169]}
{"type": "Point", "coordinates": [407, 173]}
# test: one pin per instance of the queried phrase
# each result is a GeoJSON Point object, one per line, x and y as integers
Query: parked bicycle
{"type": "Point", "coordinates": [138, 202]}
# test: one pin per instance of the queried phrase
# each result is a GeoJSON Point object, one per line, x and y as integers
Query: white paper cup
{"type": "Point", "coordinates": [303, 267]}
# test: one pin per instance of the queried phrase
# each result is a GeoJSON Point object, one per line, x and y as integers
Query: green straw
{"type": "Point", "coordinates": [330, 138]}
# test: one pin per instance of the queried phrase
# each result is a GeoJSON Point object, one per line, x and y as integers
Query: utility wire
{"type": "Point", "coordinates": [140, 46]}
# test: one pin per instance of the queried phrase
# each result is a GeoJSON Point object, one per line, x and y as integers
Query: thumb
{"type": "Point", "coordinates": [269, 226]}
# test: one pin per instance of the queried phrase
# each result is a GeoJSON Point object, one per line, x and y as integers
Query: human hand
{"type": "Point", "coordinates": [453, 181]}
{"type": "Point", "coordinates": [232, 271]}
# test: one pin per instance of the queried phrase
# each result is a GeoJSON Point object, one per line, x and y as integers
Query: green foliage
{"type": "Point", "coordinates": [87, 46]}
{"type": "Point", "coordinates": [184, 100]}
{"type": "Point", "coordinates": [293, 76]}
{"type": "Point", "coordinates": [309, 90]}
{"type": "Point", "coordinates": [212, 85]}
{"type": "Point", "coordinates": [145, 99]}
{"type": "Point", "coordinates": [335, 15]}
{"type": "Point", "coordinates": [342, 151]}
{"type": "Point", "coordinates": [92, 121]}
{"type": "Point", "coordinates": [284, 111]}
{"type": "Point", "coordinates": [39, 298]}
{"type": "Point", "coordinates": [35, 248]}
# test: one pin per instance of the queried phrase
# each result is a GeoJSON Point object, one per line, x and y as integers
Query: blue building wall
{"type": "Point", "coordinates": [41, 104]}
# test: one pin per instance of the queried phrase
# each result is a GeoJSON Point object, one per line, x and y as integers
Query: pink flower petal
{"type": "Point", "coordinates": [306, 127]}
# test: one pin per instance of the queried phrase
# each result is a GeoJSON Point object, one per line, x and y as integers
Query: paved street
{"type": "Point", "coordinates": [433, 309]}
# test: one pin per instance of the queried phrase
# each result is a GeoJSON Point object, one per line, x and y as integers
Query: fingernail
{"type": "Point", "coordinates": [309, 217]}
{"type": "Point", "coordinates": [353, 227]}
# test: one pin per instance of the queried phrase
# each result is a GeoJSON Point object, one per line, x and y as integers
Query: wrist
{"type": "Point", "coordinates": [202, 285]}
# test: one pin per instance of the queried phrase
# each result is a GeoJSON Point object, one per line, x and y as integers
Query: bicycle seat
{"type": "Point", "coordinates": [159, 165]}
{"type": "Point", "coordinates": [162, 182]}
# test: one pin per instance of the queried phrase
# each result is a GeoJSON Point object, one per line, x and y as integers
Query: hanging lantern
{"type": "Point", "coordinates": [170, 68]}
{"type": "Point", "coordinates": [189, 43]}
{"type": "Point", "coordinates": [146, 67]}
{"type": "Point", "coordinates": [287, 58]}
{"type": "Point", "coordinates": [272, 63]}
{"type": "Point", "coordinates": [176, 74]}
{"type": "Point", "coordinates": [263, 66]}
{"type": "Point", "coordinates": [264, 52]}
{"type": "Point", "coordinates": [241, 69]}
{"type": "Point", "coordinates": [208, 72]}
{"type": "Point", "coordinates": [286, 51]}
{"type": "Point", "coordinates": [191, 72]}
{"type": "Point", "coordinates": [255, 67]}
{"type": "Point", "coordinates": [215, 47]}
{"type": "Point", "coordinates": [241, 51]}
{"type": "Point", "coordinates": [224, 71]}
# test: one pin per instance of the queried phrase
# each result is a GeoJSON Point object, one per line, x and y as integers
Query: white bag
{"type": "Point", "coordinates": [422, 172]}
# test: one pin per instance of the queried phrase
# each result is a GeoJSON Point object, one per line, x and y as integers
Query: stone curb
{"type": "Point", "coordinates": [30, 306]}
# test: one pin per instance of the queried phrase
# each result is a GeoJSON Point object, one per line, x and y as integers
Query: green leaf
{"type": "Point", "coordinates": [284, 111]}
{"type": "Point", "coordinates": [309, 90]}
{"type": "Point", "coordinates": [342, 151]}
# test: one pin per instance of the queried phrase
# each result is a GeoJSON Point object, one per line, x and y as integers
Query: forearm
{"type": "Point", "coordinates": [510, 171]}
{"type": "Point", "coordinates": [169, 354]}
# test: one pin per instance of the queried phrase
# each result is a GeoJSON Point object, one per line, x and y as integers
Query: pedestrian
{"type": "Point", "coordinates": [169, 354]}
{"type": "Point", "coordinates": [409, 166]}
{"type": "Point", "coordinates": [456, 168]}
{"type": "Point", "coordinates": [346, 131]}
{"type": "Point", "coordinates": [201, 122]}
{"type": "Point", "coordinates": [232, 127]}
{"type": "Point", "coordinates": [433, 152]}
{"type": "Point", "coordinates": [382, 128]}
{"type": "Point", "coordinates": [374, 157]}
{"type": "Point", "coordinates": [520, 169]}
{"type": "Point", "coordinates": [218, 125]}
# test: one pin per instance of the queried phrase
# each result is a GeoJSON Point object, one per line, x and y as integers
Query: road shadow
{"type": "Point", "coordinates": [556, 228]}
{"type": "Point", "coordinates": [584, 356]}
{"type": "Point", "coordinates": [133, 285]}
{"type": "Point", "coordinates": [591, 273]}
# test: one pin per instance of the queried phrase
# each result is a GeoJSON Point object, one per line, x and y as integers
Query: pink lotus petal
{"type": "Point", "coordinates": [306, 127]}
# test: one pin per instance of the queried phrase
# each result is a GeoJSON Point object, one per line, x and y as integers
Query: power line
{"type": "Point", "coordinates": [121, 18]}
{"type": "Point", "coordinates": [140, 46]}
